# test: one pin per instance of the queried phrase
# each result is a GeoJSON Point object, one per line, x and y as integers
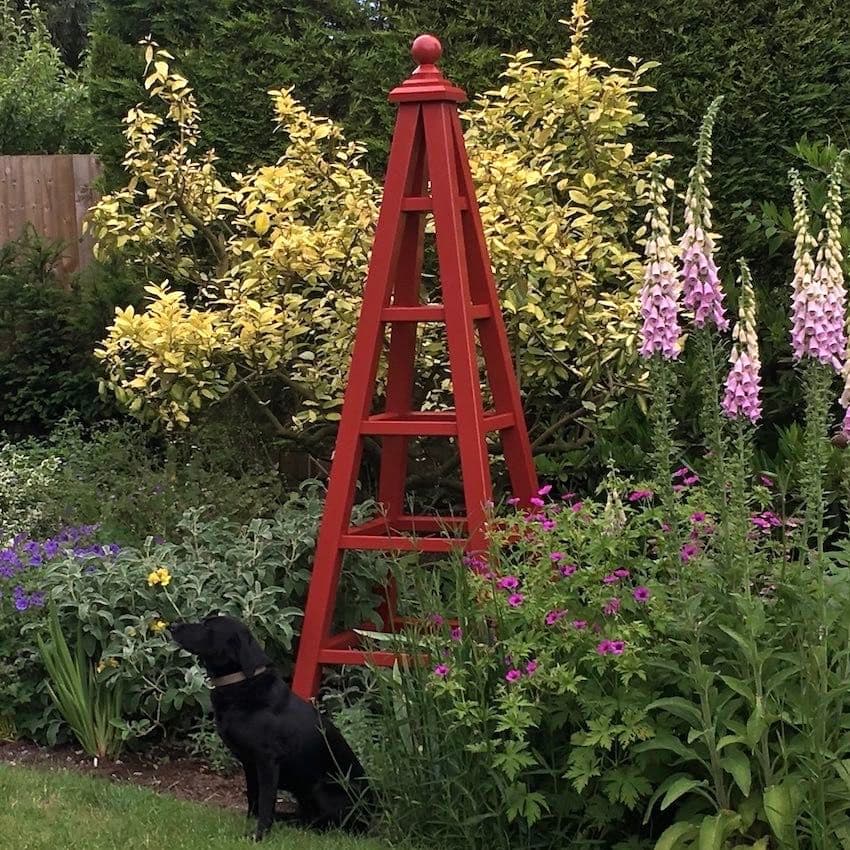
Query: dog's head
{"type": "Point", "coordinates": [223, 644]}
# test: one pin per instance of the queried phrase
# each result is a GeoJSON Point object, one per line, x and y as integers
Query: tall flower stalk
{"type": "Point", "coordinates": [661, 335]}
{"type": "Point", "coordinates": [702, 290]}
{"type": "Point", "coordinates": [742, 404]}
{"type": "Point", "coordinates": [703, 294]}
{"type": "Point", "coordinates": [742, 396]}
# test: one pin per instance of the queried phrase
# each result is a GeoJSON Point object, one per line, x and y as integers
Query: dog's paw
{"type": "Point", "coordinates": [259, 833]}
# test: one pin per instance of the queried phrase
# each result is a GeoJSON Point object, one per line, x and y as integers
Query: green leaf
{"type": "Point", "coordinates": [779, 810]}
{"type": "Point", "coordinates": [738, 765]}
{"type": "Point", "coordinates": [679, 788]}
{"type": "Point", "coordinates": [679, 707]}
{"type": "Point", "coordinates": [675, 836]}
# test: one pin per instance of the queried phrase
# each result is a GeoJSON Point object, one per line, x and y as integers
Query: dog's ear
{"type": "Point", "coordinates": [250, 653]}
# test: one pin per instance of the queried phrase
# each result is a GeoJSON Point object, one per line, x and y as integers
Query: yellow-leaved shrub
{"type": "Point", "coordinates": [255, 279]}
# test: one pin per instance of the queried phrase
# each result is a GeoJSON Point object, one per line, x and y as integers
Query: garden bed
{"type": "Point", "coordinates": [164, 772]}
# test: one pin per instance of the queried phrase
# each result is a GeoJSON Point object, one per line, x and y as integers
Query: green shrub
{"type": "Point", "coordinates": [43, 106]}
{"type": "Point", "coordinates": [48, 334]}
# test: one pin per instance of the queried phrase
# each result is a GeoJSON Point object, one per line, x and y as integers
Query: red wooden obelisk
{"type": "Point", "coordinates": [428, 172]}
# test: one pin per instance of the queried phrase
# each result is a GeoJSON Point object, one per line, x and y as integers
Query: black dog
{"type": "Point", "coordinates": [280, 739]}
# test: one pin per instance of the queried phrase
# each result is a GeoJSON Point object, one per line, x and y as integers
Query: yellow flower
{"type": "Point", "coordinates": [160, 576]}
{"type": "Point", "coordinates": [158, 626]}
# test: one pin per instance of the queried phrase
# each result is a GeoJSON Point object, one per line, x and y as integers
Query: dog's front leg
{"type": "Point", "coordinates": [268, 773]}
{"type": "Point", "coordinates": [251, 789]}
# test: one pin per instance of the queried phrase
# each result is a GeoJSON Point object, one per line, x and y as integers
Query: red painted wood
{"type": "Point", "coordinates": [427, 172]}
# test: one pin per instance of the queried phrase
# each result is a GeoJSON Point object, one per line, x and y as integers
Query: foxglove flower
{"type": "Point", "coordinates": [743, 384]}
{"type": "Point", "coordinates": [702, 290]}
{"type": "Point", "coordinates": [817, 313]}
{"type": "Point", "coordinates": [659, 297]}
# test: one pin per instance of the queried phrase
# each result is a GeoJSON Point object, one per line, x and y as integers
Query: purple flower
{"type": "Point", "coordinates": [456, 633]}
{"type": "Point", "coordinates": [689, 551]}
{"type": "Point", "coordinates": [659, 296]}
{"type": "Point", "coordinates": [553, 616]}
{"type": "Point", "coordinates": [576, 507]}
{"type": "Point", "coordinates": [548, 524]}
{"type": "Point", "coordinates": [537, 501]}
{"type": "Point", "coordinates": [611, 578]}
{"type": "Point", "coordinates": [766, 481]}
{"type": "Point", "coordinates": [531, 666]}
{"type": "Point", "coordinates": [612, 606]}
{"type": "Point", "coordinates": [51, 549]}
{"type": "Point", "coordinates": [568, 497]}
{"type": "Point", "coordinates": [603, 647]}
{"type": "Point", "coordinates": [557, 556]}
{"type": "Point", "coordinates": [515, 600]}
{"type": "Point", "coordinates": [817, 315]}
{"type": "Point", "coordinates": [436, 619]}
{"type": "Point", "coordinates": [681, 472]}
{"type": "Point", "coordinates": [514, 500]}
{"type": "Point", "coordinates": [579, 624]}
{"type": "Point", "coordinates": [509, 583]}
{"type": "Point", "coordinates": [640, 495]}
{"type": "Point", "coordinates": [567, 570]}
{"type": "Point", "coordinates": [622, 573]}
{"type": "Point", "coordinates": [641, 594]}
{"type": "Point", "coordinates": [743, 383]}
{"type": "Point", "coordinates": [545, 490]}
{"type": "Point", "coordinates": [512, 675]}
{"type": "Point", "coordinates": [617, 647]}
{"type": "Point", "coordinates": [441, 670]}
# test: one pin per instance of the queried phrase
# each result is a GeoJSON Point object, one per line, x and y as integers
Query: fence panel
{"type": "Point", "coordinates": [53, 194]}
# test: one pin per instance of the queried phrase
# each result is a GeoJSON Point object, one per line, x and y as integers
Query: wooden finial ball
{"type": "Point", "coordinates": [426, 49]}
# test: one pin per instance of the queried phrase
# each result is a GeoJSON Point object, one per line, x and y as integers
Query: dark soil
{"type": "Point", "coordinates": [168, 773]}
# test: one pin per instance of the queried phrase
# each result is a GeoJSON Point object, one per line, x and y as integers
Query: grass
{"type": "Point", "coordinates": [55, 811]}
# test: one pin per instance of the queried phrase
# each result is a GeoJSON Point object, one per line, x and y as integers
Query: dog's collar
{"type": "Point", "coordinates": [233, 678]}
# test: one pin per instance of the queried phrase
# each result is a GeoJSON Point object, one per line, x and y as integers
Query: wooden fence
{"type": "Point", "coordinates": [53, 194]}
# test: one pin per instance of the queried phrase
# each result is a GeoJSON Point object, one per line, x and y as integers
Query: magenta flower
{"type": "Point", "coordinates": [640, 495]}
{"type": "Point", "coordinates": [557, 556]}
{"type": "Point", "coordinates": [568, 497]}
{"type": "Point", "coordinates": [681, 472]}
{"type": "Point", "coordinates": [766, 480]}
{"type": "Point", "coordinates": [515, 600]}
{"type": "Point", "coordinates": [697, 516]}
{"type": "Point", "coordinates": [567, 570]}
{"type": "Point", "coordinates": [817, 313]}
{"type": "Point", "coordinates": [512, 675]}
{"type": "Point", "coordinates": [659, 297]}
{"type": "Point", "coordinates": [441, 670]}
{"type": "Point", "coordinates": [553, 616]}
{"type": "Point", "coordinates": [531, 666]}
{"type": "Point", "coordinates": [603, 647]}
{"type": "Point", "coordinates": [548, 525]}
{"type": "Point", "coordinates": [545, 490]}
{"type": "Point", "coordinates": [456, 633]}
{"type": "Point", "coordinates": [436, 619]}
{"type": "Point", "coordinates": [612, 606]}
{"type": "Point", "coordinates": [641, 594]}
{"type": "Point", "coordinates": [537, 501]}
{"type": "Point", "coordinates": [703, 293]}
{"type": "Point", "coordinates": [617, 647]}
{"type": "Point", "coordinates": [508, 583]}
{"type": "Point", "coordinates": [579, 625]}
{"type": "Point", "coordinates": [741, 397]}
{"type": "Point", "coordinates": [690, 480]}
{"type": "Point", "coordinates": [689, 551]}
{"type": "Point", "coordinates": [611, 578]}
{"type": "Point", "coordinates": [576, 507]}
{"type": "Point", "coordinates": [514, 500]}
{"type": "Point", "coordinates": [622, 573]}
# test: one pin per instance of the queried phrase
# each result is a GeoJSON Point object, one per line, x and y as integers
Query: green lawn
{"type": "Point", "coordinates": [63, 811]}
